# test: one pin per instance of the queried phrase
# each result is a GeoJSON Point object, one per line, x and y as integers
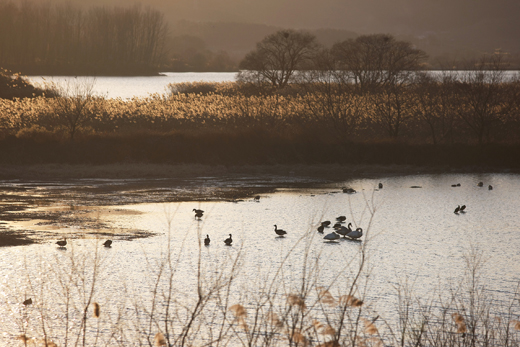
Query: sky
{"type": "Point", "coordinates": [491, 22]}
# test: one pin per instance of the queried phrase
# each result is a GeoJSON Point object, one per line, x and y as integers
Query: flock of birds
{"type": "Point", "coordinates": [339, 229]}
{"type": "Point", "coordinates": [462, 209]}
{"type": "Point", "coordinates": [63, 243]}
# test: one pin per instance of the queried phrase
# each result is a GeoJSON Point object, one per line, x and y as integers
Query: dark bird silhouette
{"type": "Point", "coordinates": [27, 302]}
{"type": "Point", "coordinates": [380, 185]}
{"type": "Point", "coordinates": [349, 190]}
{"type": "Point", "coordinates": [457, 209]}
{"type": "Point", "coordinates": [257, 198]}
{"type": "Point", "coordinates": [207, 240]}
{"type": "Point", "coordinates": [341, 218]}
{"type": "Point", "coordinates": [228, 241]}
{"type": "Point", "coordinates": [107, 243]}
{"type": "Point", "coordinates": [331, 236]}
{"type": "Point", "coordinates": [320, 229]}
{"type": "Point", "coordinates": [490, 187]}
{"type": "Point", "coordinates": [480, 184]}
{"type": "Point", "coordinates": [355, 234]}
{"type": "Point", "coordinates": [62, 243]}
{"type": "Point", "coordinates": [462, 208]}
{"type": "Point", "coordinates": [198, 213]}
{"type": "Point", "coordinates": [337, 225]}
{"type": "Point", "coordinates": [326, 223]}
{"type": "Point", "coordinates": [279, 232]}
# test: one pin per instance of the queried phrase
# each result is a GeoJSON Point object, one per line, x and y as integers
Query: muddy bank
{"type": "Point", "coordinates": [52, 198]}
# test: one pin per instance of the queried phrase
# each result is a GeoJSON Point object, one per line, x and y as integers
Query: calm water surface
{"type": "Point", "coordinates": [411, 235]}
{"type": "Point", "coordinates": [141, 86]}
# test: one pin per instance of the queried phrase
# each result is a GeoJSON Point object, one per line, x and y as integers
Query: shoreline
{"type": "Point", "coordinates": [25, 189]}
{"type": "Point", "coordinates": [145, 171]}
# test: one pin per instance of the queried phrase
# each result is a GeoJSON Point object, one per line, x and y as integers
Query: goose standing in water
{"type": "Point", "coordinates": [198, 213]}
{"type": "Point", "coordinates": [228, 241]}
{"type": "Point", "coordinates": [207, 240]}
{"type": "Point", "coordinates": [62, 243]}
{"type": "Point", "coordinates": [107, 243]}
{"type": "Point", "coordinates": [279, 232]}
{"type": "Point", "coordinates": [355, 234]}
{"type": "Point", "coordinates": [344, 230]}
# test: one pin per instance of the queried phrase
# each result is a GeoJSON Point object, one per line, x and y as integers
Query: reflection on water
{"type": "Point", "coordinates": [138, 86]}
{"type": "Point", "coordinates": [410, 234]}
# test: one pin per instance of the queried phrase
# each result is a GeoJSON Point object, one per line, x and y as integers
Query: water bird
{"type": "Point", "coordinates": [337, 225]}
{"type": "Point", "coordinates": [331, 237]}
{"type": "Point", "coordinates": [228, 241]}
{"type": "Point", "coordinates": [344, 230]}
{"type": "Point", "coordinates": [326, 223]}
{"type": "Point", "coordinates": [279, 232]}
{"type": "Point", "coordinates": [490, 187]}
{"type": "Point", "coordinates": [62, 243]}
{"type": "Point", "coordinates": [457, 209]}
{"type": "Point", "coordinates": [380, 185]}
{"type": "Point", "coordinates": [207, 240]}
{"type": "Point", "coordinates": [480, 184]}
{"type": "Point", "coordinates": [320, 229]}
{"type": "Point", "coordinates": [107, 243]}
{"type": "Point", "coordinates": [257, 198]}
{"type": "Point", "coordinates": [341, 218]}
{"type": "Point", "coordinates": [462, 208]}
{"type": "Point", "coordinates": [355, 234]}
{"type": "Point", "coordinates": [456, 185]}
{"type": "Point", "coordinates": [198, 213]}
{"type": "Point", "coordinates": [349, 190]}
{"type": "Point", "coordinates": [27, 302]}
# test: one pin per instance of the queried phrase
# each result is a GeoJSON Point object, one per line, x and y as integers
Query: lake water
{"type": "Point", "coordinates": [140, 86]}
{"type": "Point", "coordinates": [143, 86]}
{"type": "Point", "coordinates": [411, 235]}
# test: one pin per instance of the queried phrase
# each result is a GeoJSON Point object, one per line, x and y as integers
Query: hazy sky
{"type": "Point", "coordinates": [487, 20]}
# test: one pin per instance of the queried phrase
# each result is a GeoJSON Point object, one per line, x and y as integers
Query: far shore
{"type": "Point", "coordinates": [332, 172]}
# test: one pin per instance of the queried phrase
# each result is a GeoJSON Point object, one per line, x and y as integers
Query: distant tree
{"type": "Point", "coordinates": [277, 58]}
{"type": "Point", "coordinates": [377, 60]}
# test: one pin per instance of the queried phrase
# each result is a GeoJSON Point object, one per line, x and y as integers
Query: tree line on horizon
{"type": "Point", "coordinates": [45, 38]}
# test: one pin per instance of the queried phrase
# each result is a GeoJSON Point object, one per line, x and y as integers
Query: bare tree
{"type": "Point", "coordinates": [377, 60]}
{"type": "Point", "coordinates": [277, 58]}
{"type": "Point", "coordinates": [76, 104]}
{"type": "Point", "coordinates": [485, 95]}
